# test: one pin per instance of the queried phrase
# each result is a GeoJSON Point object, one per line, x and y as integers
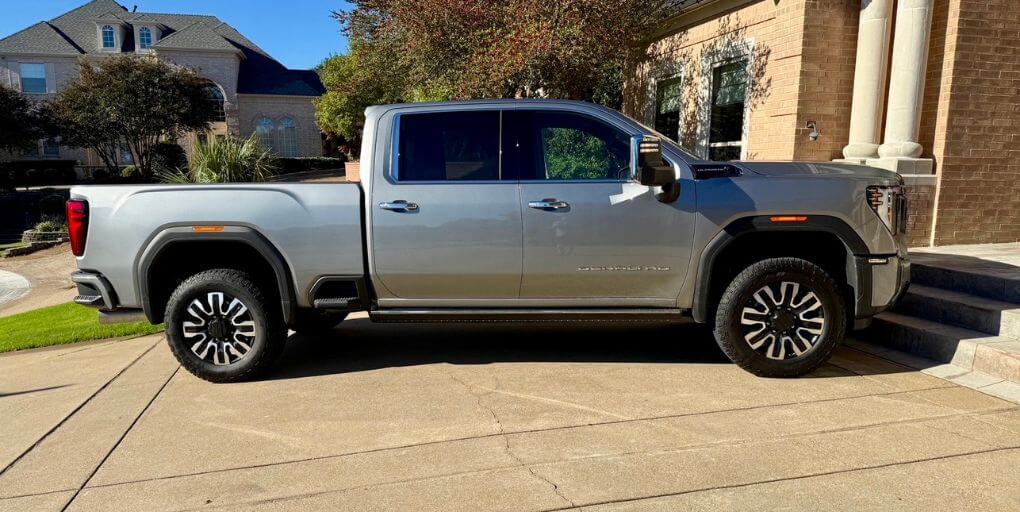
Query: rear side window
{"type": "Point", "coordinates": [448, 146]}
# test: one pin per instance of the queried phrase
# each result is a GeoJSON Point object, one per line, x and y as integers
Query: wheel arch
{"type": "Point", "coordinates": [824, 240]}
{"type": "Point", "coordinates": [156, 267]}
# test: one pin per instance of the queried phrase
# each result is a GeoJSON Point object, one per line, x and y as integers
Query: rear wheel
{"type": "Point", "coordinates": [220, 327]}
{"type": "Point", "coordinates": [780, 317]}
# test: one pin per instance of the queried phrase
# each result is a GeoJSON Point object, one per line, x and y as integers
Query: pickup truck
{"type": "Point", "coordinates": [510, 210]}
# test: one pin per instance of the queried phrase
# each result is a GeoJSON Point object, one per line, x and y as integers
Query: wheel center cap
{"type": "Point", "coordinates": [218, 329]}
{"type": "Point", "coordinates": [783, 321]}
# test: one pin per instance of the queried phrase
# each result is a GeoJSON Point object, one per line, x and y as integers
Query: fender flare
{"type": "Point", "coordinates": [172, 236]}
{"type": "Point", "coordinates": [859, 279]}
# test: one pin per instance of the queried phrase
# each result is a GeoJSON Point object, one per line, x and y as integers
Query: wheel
{"type": "Point", "coordinates": [220, 327]}
{"type": "Point", "coordinates": [780, 317]}
{"type": "Point", "coordinates": [318, 322]}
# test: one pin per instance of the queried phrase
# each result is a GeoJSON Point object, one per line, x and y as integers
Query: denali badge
{"type": "Point", "coordinates": [646, 268]}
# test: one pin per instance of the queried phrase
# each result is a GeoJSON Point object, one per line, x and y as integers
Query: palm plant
{"type": "Point", "coordinates": [226, 161]}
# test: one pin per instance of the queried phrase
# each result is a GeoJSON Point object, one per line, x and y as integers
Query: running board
{"type": "Point", "coordinates": [530, 315]}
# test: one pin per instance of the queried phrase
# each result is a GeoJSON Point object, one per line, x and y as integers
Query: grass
{"type": "Point", "coordinates": [12, 245]}
{"type": "Point", "coordinates": [57, 325]}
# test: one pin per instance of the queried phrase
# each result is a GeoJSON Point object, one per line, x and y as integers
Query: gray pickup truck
{"type": "Point", "coordinates": [502, 211]}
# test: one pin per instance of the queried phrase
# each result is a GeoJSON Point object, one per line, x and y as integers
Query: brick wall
{"type": "Point", "coordinates": [977, 131]}
{"type": "Point", "coordinates": [251, 107]}
{"type": "Point", "coordinates": [920, 192]}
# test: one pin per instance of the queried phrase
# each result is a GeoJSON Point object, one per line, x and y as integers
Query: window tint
{"type": "Point", "coordinates": [667, 107]}
{"type": "Point", "coordinates": [448, 146]}
{"type": "Point", "coordinates": [571, 146]}
{"type": "Point", "coordinates": [726, 132]}
{"type": "Point", "coordinates": [33, 77]}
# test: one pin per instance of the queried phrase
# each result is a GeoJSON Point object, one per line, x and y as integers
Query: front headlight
{"type": "Point", "coordinates": [890, 204]}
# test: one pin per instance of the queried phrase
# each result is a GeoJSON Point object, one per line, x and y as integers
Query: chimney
{"type": "Point", "coordinates": [135, 8]}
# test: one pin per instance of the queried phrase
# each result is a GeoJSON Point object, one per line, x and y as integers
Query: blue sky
{"type": "Point", "coordinates": [298, 33]}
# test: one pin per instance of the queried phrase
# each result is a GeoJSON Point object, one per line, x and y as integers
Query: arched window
{"type": "Point", "coordinates": [287, 141]}
{"type": "Point", "coordinates": [109, 41]}
{"type": "Point", "coordinates": [144, 38]}
{"type": "Point", "coordinates": [215, 97]}
{"type": "Point", "coordinates": [264, 131]}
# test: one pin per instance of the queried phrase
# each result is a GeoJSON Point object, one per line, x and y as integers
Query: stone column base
{"type": "Point", "coordinates": [904, 165]}
{"type": "Point", "coordinates": [856, 161]}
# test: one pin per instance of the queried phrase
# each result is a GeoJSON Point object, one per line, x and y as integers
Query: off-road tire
{"type": "Point", "coordinates": [270, 332]}
{"type": "Point", "coordinates": [730, 332]}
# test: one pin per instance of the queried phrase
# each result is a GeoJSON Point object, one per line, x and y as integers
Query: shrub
{"type": "Point", "coordinates": [168, 157]}
{"type": "Point", "coordinates": [130, 172]}
{"type": "Point", "coordinates": [50, 226]}
{"type": "Point", "coordinates": [315, 163]}
{"type": "Point", "coordinates": [226, 161]}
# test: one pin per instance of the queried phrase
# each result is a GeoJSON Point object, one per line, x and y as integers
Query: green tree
{"type": "Point", "coordinates": [137, 102]}
{"type": "Point", "coordinates": [21, 121]}
{"type": "Point", "coordinates": [423, 50]}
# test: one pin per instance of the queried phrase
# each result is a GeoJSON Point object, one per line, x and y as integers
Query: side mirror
{"type": "Point", "coordinates": [651, 169]}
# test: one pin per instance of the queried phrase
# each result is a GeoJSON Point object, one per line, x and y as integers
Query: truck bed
{"type": "Point", "coordinates": [317, 228]}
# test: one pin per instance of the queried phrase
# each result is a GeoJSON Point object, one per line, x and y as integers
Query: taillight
{"type": "Point", "coordinates": [77, 225]}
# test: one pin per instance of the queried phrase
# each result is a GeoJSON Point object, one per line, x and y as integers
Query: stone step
{"type": "Point", "coordinates": [971, 350]}
{"type": "Point", "coordinates": [985, 279]}
{"type": "Point", "coordinates": [961, 310]}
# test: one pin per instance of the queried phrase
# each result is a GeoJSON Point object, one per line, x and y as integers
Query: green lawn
{"type": "Point", "coordinates": [12, 245]}
{"type": "Point", "coordinates": [66, 323]}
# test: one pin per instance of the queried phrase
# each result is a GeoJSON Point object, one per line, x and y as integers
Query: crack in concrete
{"type": "Point", "coordinates": [506, 438]}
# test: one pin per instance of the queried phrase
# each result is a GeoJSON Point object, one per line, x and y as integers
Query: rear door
{"type": "Point", "coordinates": [593, 235]}
{"type": "Point", "coordinates": [445, 220]}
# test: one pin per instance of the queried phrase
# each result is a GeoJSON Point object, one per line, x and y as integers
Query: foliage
{"type": "Point", "coordinates": [31, 173]}
{"type": "Point", "coordinates": [130, 172]}
{"type": "Point", "coordinates": [133, 101]}
{"type": "Point", "coordinates": [50, 226]}
{"type": "Point", "coordinates": [302, 164]}
{"type": "Point", "coordinates": [574, 154]}
{"type": "Point", "coordinates": [21, 122]}
{"type": "Point", "coordinates": [431, 50]}
{"type": "Point", "coordinates": [52, 205]}
{"type": "Point", "coordinates": [226, 161]}
{"type": "Point", "coordinates": [57, 325]}
{"type": "Point", "coordinates": [168, 157]}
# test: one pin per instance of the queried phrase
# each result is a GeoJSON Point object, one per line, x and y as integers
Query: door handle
{"type": "Point", "coordinates": [548, 204]}
{"type": "Point", "coordinates": [399, 206]}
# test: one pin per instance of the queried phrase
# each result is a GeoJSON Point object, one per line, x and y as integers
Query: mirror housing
{"type": "Point", "coordinates": [650, 168]}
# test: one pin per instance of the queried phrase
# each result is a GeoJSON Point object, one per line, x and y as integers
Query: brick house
{"type": "Point", "coordinates": [257, 94]}
{"type": "Point", "coordinates": [929, 88]}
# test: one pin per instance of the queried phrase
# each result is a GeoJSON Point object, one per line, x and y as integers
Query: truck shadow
{"type": "Point", "coordinates": [358, 345]}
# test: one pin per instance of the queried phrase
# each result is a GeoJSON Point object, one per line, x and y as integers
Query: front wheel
{"type": "Point", "coordinates": [220, 327]}
{"type": "Point", "coordinates": [780, 317]}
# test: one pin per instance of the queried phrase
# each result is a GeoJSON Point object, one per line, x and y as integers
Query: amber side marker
{"type": "Point", "coordinates": [207, 229]}
{"type": "Point", "coordinates": [788, 218]}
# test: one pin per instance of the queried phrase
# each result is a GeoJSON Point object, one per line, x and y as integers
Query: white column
{"type": "Point", "coordinates": [869, 79]}
{"type": "Point", "coordinates": [900, 149]}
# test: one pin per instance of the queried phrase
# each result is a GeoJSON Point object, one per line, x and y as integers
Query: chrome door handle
{"type": "Point", "coordinates": [548, 204]}
{"type": "Point", "coordinates": [399, 206]}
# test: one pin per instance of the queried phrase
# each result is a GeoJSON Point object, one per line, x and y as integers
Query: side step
{"type": "Point", "coordinates": [337, 303]}
{"type": "Point", "coordinates": [530, 315]}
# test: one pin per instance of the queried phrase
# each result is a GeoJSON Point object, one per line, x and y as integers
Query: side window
{"type": "Point", "coordinates": [448, 146]}
{"type": "Point", "coordinates": [570, 146]}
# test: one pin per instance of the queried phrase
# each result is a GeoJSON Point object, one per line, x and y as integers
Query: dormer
{"type": "Point", "coordinates": [147, 35]}
{"type": "Point", "coordinates": [111, 31]}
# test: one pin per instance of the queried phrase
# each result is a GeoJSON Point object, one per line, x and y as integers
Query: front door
{"type": "Point", "coordinates": [592, 235]}
{"type": "Point", "coordinates": [446, 223]}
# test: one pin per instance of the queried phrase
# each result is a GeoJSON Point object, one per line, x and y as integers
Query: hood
{"type": "Point", "coordinates": [831, 169]}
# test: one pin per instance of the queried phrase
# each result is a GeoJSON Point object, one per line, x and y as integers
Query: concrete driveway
{"type": "Point", "coordinates": [496, 417]}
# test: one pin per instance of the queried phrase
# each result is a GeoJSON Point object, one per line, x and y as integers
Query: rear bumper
{"type": "Point", "coordinates": [94, 291]}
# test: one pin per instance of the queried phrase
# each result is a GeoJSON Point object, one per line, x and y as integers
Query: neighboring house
{"type": "Point", "coordinates": [254, 93]}
{"type": "Point", "coordinates": [928, 88]}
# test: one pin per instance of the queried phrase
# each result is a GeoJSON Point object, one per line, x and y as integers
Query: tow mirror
{"type": "Point", "coordinates": [651, 169]}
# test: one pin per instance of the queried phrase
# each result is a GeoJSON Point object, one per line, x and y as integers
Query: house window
{"type": "Point", "coordinates": [287, 142]}
{"type": "Point", "coordinates": [33, 78]}
{"type": "Point", "coordinates": [144, 38]}
{"type": "Point", "coordinates": [215, 97]}
{"type": "Point", "coordinates": [51, 148]}
{"type": "Point", "coordinates": [109, 40]}
{"type": "Point", "coordinates": [667, 107]}
{"type": "Point", "coordinates": [264, 131]}
{"type": "Point", "coordinates": [726, 128]}
{"type": "Point", "coordinates": [32, 151]}
{"type": "Point", "coordinates": [126, 158]}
